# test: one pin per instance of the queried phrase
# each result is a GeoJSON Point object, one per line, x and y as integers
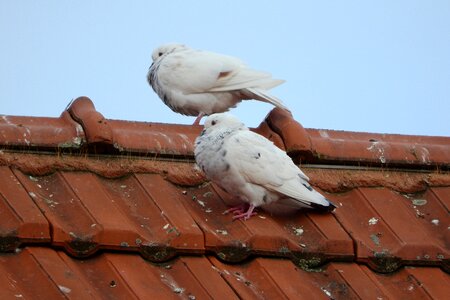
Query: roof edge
{"type": "Point", "coordinates": [83, 129]}
{"type": "Point", "coordinates": [321, 146]}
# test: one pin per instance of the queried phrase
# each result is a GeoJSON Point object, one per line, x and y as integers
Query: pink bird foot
{"type": "Point", "coordinates": [245, 215]}
{"type": "Point", "coordinates": [239, 209]}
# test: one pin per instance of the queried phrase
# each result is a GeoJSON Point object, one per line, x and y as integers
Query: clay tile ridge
{"type": "Point", "coordinates": [27, 133]}
{"type": "Point", "coordinates": [359, 148]}
{"type": "Point", "coordinates": [132, 137]}
{"type": "Point", "coordinates": [82, 127]}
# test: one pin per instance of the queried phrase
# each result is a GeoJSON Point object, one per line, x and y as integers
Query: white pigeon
{"type": "Point", "coordinates": [251, 168]}
{"type": "Point", "coordinates": [197, 83]}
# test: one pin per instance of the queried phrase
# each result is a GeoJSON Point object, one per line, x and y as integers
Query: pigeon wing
{"type": "Point", "coordinates": [192, 71]}
{"type": "Point", "coordinates": [196, 71]}
{"type": "Point", "coordinates": [261, 162]}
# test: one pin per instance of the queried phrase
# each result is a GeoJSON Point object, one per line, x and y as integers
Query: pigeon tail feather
{"type": "Point", "coordinates": [322, 208]}
{"type": "Point", "coordinates": [265, 97]}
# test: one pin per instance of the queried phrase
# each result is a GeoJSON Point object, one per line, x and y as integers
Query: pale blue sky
{"type": "Point", "coordinates": [376, 66]}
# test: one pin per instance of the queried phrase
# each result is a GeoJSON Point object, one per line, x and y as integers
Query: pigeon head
{"type": "Point", "coordinates": [166, 49]}
{"type": "Point", "coordinates": [223, 121]}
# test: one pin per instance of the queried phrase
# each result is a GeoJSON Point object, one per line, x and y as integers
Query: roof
{"type": "Point", "coordinates": [111, 209]}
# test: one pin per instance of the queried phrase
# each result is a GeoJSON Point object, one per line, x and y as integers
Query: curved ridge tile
{"type": "Point", "coordinates": [39, 132]}
{"type": "Point", "coordinates": [154, 138]}
{"type": "Point", "coordinates": [294, 136]}
{"type": "Point", "coordinates": [332, 146]}
{"type": "Point", "coordinates": [380, 149]}
{"type": "Point", "coordinates": [265, 130]}
{"type": "Point", "coordinates": [95, 126]}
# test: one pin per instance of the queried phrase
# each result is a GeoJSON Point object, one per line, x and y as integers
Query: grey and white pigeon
{"type": "Point", "coordinates": [197, 83]}
{"type": "Point", "coordinates": [252, 169]}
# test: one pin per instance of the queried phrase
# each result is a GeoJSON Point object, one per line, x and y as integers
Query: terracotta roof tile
{"type": "Point", "coordinates": [20, 220]}
{"type": "Point", "coordinates": [391, 229]}
{"type": "Point", "coordinates": [330, 146]}
{"type": "Point", "coordinates": [155, 216]}
{"type": "Point", "coordinates": [89, 128]}
{"type": "Point", "coordinates": [74, 204]}
{"type": "Point", "coordinates": [118, 276]}
{"type": "Point", "coordinates": [123, 136]}
{"type": "Point", "coordinates": [160, 219]}
{"type": "Point", "coordinates": [82, 184]}
{"type": "Point", "coordinates": [37, 132]}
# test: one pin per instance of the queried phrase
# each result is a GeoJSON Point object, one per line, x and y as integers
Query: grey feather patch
{"type": "Point", "coordinates": [308, 187]}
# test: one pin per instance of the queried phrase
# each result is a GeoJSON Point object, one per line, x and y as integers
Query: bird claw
{"type": "Point", "coordinates": [240, 209]}
{"type": "Point", "coordinates": [244, 216]}
{"type": "Point", "coordinates": [240, 212]}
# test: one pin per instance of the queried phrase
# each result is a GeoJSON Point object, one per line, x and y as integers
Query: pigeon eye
{"type": "Point", "coordinates": [160, 54]}
{"type": "Point", "coordinates": [213, 122]}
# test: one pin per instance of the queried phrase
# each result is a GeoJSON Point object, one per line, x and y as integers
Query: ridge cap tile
{"type": "Point", "coordinates": [81, 126]}
{"type": "Point", "coordinates": [26, 133]}
{"type": "Point", "coordinates": [95, 126]}
{"type": "Point", "coordinates": [294, 135]}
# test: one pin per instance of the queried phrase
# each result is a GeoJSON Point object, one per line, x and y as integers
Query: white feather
{"type": "Point", "coordinates": [194, 82]}
{"type": "Point", "coordinates": [251, 167]}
